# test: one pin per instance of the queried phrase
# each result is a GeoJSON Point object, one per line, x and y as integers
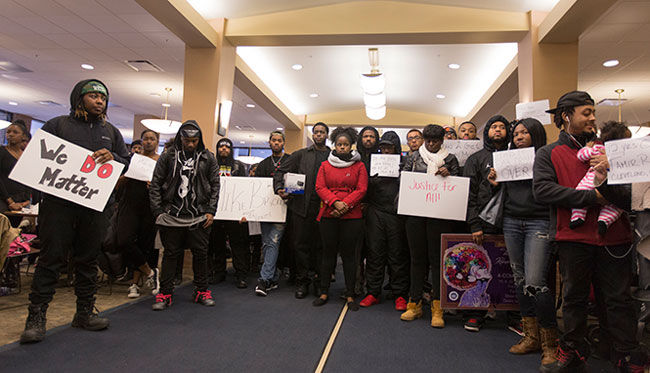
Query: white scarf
{"type": "Point", "coordinates": [433, 160]}
{"type": "Point", "coordinates": [339, 163]}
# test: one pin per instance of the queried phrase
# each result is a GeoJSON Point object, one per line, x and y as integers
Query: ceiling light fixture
{"type": "Point", "coordinates": [242, 142]}
{"type": "Point", "coordinates": [313, 95]}
{"type": "Point", "coordinates": [86, 66]}
{"type": "Point", "coordinates": [10, 77]}
{"type": "Point", "coordinates": [163, 126]}
{"type": "Point", "coordinates": [440, 96]}
{"type": "Point", "coordinates": [454, 66]}
{"type": "Point", "coordinates": [373, 85]}
{"type": "Point", "coordinates": [250, 106]}
{"type": "Point", "coordinates": [296, 67]}
{"type": "Point", "coordinates": [13, 103]}
{"type": "Point", "coordinates": [610, 63]}
{"type": "Point", "coordinates": [280, 129]}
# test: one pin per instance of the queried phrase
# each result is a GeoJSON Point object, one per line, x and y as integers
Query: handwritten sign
{"type": "Point", "coordinates": [476, 277]}
{"type": "Point", "coordinates": [629, 160]}
{"type": "Point", "coordinates": [432, 196]}
{"type": "Point", "coordinates": [251, 198]}
{"type": "Point", "coordinates": [63, 169]}
{"type": "Point", "coordinates": [384, 165]}
{"type": "Point", "coordinates": [516, 164]}
{"type": "Point", "coordinates": [535, 109]}
{"type": "Point", "coordinates": [141, 168]}
{"type": "Point", "coordinates": [462, 149]}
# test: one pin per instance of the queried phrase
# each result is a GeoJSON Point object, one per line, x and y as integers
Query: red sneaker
{"type": "Point", "coordinates": [369, 301]}
{"type": "Point", "coordinates": [400, 304]}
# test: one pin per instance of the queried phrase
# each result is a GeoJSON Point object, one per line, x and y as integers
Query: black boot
{"type": "Point", "coordinates": [568, 361]}
{"type": "Point", "coordinates": [86, 318]}
{"type": "Point", "coordinates": [35, 324]}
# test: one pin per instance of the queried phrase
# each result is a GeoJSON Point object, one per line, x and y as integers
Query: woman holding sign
{"type": "Point", "coordinates": [423, 234]}
{"type": "Point", "coordinates": [341, 183]}
{"type": "Point", "coordinates": [525, 229]}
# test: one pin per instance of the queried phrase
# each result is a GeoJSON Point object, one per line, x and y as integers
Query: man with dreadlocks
{"type": "Point", "coordinates": [66, 226]}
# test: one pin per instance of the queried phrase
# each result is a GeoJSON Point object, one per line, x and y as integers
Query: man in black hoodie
{"type": "Point", "coordinates": [235, 232]}
{"type": "Point", "coordinates": [183, 196]}
{"type": "Point", "coordinates": [305, 208]}
{"type": "Point", "coordinates": [495, 138]}
{"type": "Point", "coordinates": [66, 226]}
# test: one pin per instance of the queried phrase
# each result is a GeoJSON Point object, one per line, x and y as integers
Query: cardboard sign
{"type": "Point", "coordinates": [431, 196]}
{"type": "Point", "coordinates": [63, 169]}
{"type": "Point", "coordinates": [476, 277]}
{"type": "Point", "coordinates": [629, 160]}
{"type": "Point", "coordinates": [141, 168]}
{"type": "Point", "coordinates": [386, 165]}
{"type": "Point", "coordinates": [251, 198]}
{"type": "Point", "coordinates": [535, 109]}
{"type": "Point", "coordinates": [462, 149]}
{"type": "Point", "coordinates": [294, 183]}
{"type": "Point", "coordinates": [516, 164]}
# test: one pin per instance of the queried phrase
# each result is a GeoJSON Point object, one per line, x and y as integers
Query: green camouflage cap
{"type": "Point", "coordinates": [94, 86]}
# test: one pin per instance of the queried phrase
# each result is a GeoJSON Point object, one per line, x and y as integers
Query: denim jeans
{"type": "Point", "coordinates": [530, 252]}
{"type": "Point", "coordinates": [271, 236]}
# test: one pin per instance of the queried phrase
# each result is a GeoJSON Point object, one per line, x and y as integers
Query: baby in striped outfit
{"type": "Point", "coordinates": [608, 213]}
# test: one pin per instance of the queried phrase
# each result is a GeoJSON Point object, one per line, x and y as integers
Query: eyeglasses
{"type": "Point", "coordinates": [414, 138]}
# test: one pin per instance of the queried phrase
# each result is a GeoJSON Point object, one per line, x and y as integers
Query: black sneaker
{"type": "Point", "coordinates": [634, 363]}
{"type": "Point", "coordinates": [272, 285]}
{"type": "Point", "coordinates": [242, 284]}
{"type": "Point", "coordinates": [203, 297]}
{"type": "Point", "coordinates": [261, 288]}
{"type": "Point", "coordinates": [153, 281]}
{"type": "Point", "coordinates": [163, 301]}
{"type": "Point", "coordinates": [515, 326]}
{"type": "Point", "coordinates": [474, 324]}
{"type": "Point", "coordinates": [568, 361]}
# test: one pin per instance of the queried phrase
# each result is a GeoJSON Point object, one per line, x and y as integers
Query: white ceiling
{"type": "Point", "coordinates": [210, 9]}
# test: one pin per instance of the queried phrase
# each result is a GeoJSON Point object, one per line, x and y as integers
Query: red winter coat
{"type": "Point", "coordinates": [347, 184]}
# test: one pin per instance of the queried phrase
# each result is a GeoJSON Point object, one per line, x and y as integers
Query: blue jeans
{"type": "Point", "coordinates": [271, 236]}
{"type": "Point", "coordinates": [530, 253]}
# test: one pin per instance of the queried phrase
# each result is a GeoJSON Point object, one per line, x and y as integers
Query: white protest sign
{"type": "Point", "coordinates": [535, 109]}
{"type": "Point", "coordinates": [462, 149]}
{"type": "Point", "coordinates": [141, 168]}
{"type": "Point", "coordinates": [516, 164]}
{"type": "Point", "coordinates": [431, 196]}
{"type": "Point", "coordinates": [384, 165]}
{"type": "Point", "coordinates": [629, 160]}
{"type": "Point", "coordinates": [251, 198]}
{"type": "Point", "coordinates": [63, 169]}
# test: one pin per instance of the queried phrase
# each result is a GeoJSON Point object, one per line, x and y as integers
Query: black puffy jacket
{"type": "Point", "coordinates": [382, 191]}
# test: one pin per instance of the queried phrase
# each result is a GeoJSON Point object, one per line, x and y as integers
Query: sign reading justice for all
{"type": "Point", "coordinates": [68, 171]}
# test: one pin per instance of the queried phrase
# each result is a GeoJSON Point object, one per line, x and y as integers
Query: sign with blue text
{"type": "Point", "coordinates": [629, 160]}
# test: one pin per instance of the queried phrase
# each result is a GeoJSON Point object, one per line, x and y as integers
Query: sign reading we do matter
{"type": "Point", "coordinates": [63, 169]}
{"type": "Point", "coordinates": [432, 196]}
{"type": "Point", "coordinates": [251, 198]}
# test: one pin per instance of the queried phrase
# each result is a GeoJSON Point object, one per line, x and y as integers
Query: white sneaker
{"type": "Point", "coordinates": [134, 291]}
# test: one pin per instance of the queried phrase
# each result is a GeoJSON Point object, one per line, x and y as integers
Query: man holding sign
{"type": "Point", "coordinates": [67, 226]}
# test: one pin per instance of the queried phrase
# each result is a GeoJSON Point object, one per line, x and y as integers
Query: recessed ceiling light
{"type": "Point", "coordinates": [440, 96]}
{"type": "Point", "coordinates": [313, 95]}
{"type": "Point", "coordinates": [279, 128]}
{"type": "Point", "coordinates": [454, 66]}
{"type": "Point", "coordinates": [166, 105]}
{"type": "Point", "coordinates": [610, 63]}
{"type": "Point", "coordinates": [13, 103]}
{"type": "Point", "coordinates": [296, 67]}
{"type": "Point", "coordinates": [154, 94]}
{"type": "Point", "coordinates": [87, 66]}
{"type": "Point", "coordinates": [7, 76]}
{"type": "Point", "coordinates": [242, 142]}
{"type": "Point", "coordinates": [250, 105]}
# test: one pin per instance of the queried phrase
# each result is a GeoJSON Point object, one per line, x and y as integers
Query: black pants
{"type": "Point", "coordinates": [580, 264]}
{"type": "Point", "coordinates": [136, 233]}
{"type": "Point", "coordinates": [66, 227]}
{"type": "Point", "coordinates": [386, 246]}
{"type": "Point", "coordinates": [237, 236]}
{"type": "Point", "coordinates": [339, 236]}
{"type": "Point", "coordinates": [423, 236]}
{"type": "Point", "coordinates": [175, 240]}
{"type": "Point", "coordinates": [308, 246]}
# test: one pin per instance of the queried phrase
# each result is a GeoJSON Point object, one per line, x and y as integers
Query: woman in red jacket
{"type": "Point", "coordinates": [341, 183]}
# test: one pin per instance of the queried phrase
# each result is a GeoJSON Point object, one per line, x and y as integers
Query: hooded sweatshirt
{"type": "Point", "coordinates": [365, 153]}
{"type": "Point", "coordinates": [185, 185]}
{"type": "Point", "coordinates": [228, 166]}
{"type": "Point", "coordinates": [382, 191]}
{"type": "Point", "coordinates": [92, 133]}
{"type": "Point", "coordinates": [477, 169]}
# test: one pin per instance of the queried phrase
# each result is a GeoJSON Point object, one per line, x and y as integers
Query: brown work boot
{"type": "Point", "coordinates": [549, 339]}
{"type": "Point", "coordinates": [437, 321]}
{"type": "Point", "coordinates": [413, 311]}
{"type": "Point", "coordinates": [530, 342]}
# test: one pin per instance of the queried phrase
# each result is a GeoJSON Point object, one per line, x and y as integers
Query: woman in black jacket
{"type": "Point", "coordinates": [14, 195]}
{"type": "Point", "coordinates": [423, 234]}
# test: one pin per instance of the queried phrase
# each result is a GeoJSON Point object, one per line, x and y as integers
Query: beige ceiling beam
{"type": "Point", "coordinates": [378, 22]}
{"type": "Point", "coordinates": [393, 118]}
{"type": "Point", "coordinates": [254, 87]}
{"type": "Point", "coordinates": [499, 93]}
{"type": "Point", "coordinates": [570, 18]}
{"type": "Point", "coordinates": [184, 21]}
